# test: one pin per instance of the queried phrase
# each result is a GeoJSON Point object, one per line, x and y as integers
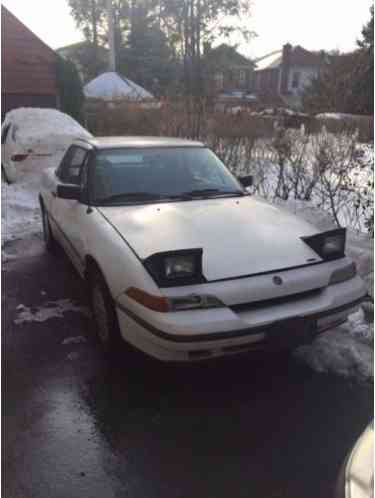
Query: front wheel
{"type": "Point", "coordinates": [104, 313]}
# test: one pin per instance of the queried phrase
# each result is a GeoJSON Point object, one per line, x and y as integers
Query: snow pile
{"type": "Point", "coordinates": [43, 130]}
{"type": "Point", "coordinates": [20, 213]}
{"type": "Point", "coordinates": [346, 350]}
{"type": "Point", "coordinates": [111, 86]}
{"type": "Point", "coordinates": [51, 309]}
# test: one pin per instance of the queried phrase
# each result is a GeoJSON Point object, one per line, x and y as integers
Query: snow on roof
{"type": "Point", "coordinates": [113, 86]}
{"type": "Point", "coordinates": [269, 61]}
{"type": "Point", "coordinates": [33, 127]}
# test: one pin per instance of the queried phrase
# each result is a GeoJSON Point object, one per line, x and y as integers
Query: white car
{"type": "Point", "coordinates": [181, 261]}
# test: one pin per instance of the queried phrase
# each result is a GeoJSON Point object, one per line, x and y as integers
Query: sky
{"type": "Point", "coordinates": [314, 24]}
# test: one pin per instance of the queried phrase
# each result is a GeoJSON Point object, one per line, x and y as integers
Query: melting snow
{"type": "Point", "coordinates": [51, 309]}
{"type": "Point", "coordinates": [346, 350]}
{"type": "Point", "coordinates": [79, 339]}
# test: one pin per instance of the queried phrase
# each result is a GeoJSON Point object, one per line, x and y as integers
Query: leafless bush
{"type": "Point", "coordinates": [348, 124]}
{"type": "Point", "coordinates": [333, 172]}
{"type": "Point", "coordinates": [327, 169]}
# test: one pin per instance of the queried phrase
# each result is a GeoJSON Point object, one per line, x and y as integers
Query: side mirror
{"type": "Point", "coordinates": [69, 192]}
{"type": "Point", "coordinates": [246, 181]}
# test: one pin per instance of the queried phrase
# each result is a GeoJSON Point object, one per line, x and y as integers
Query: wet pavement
{"type": "Point", "coordinates": [78, 425]}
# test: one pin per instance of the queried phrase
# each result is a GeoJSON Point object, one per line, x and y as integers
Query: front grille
{"type": "Point", "coordinates": [254, 305]}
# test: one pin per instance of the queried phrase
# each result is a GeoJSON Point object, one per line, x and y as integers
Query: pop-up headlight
{"type": "Point", "coordinates": [174, 268]}
{"type": "Point", "coordinates": [328, 245]}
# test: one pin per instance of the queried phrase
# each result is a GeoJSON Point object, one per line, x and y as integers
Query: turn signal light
{"type": "Point", "coordinates": [155, 303]}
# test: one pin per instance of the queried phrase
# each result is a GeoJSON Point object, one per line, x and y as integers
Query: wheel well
{"type": "Point", "coordinates": [91, 266]}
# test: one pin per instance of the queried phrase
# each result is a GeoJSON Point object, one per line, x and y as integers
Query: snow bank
{"type": "Point", "coordinates": [44, 130]}
{"type": "Point", "coordinates": [20, 213]}
{"type": "Point", "coordinates": [113, 86]}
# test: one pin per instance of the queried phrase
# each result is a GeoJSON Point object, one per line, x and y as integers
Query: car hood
{"type": "Point", "coordinates": [239, 236]}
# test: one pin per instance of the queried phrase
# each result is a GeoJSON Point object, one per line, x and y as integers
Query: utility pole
{"type": "Point", "coordinates": [111, 37]}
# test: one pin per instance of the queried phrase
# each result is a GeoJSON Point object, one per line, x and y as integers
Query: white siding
{"type": "Point", "coordinates": [306, 74]}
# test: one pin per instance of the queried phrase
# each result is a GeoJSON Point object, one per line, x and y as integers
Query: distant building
{"type": "Point", "coordinates": [227, 71]}
{"type": "Point", "coordinates": [284, 74]}
{"type": "Point", "coordinates": [28, 67]}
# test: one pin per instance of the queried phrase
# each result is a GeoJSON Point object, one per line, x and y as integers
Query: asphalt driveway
{"type": "Point", "coordinates": [78, 425]}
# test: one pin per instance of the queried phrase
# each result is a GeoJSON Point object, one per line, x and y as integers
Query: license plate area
{"type": "Point", "coordinates": [298, 330]}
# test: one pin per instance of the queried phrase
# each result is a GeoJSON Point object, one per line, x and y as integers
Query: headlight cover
{"type": "Point", "coordinates": [328, 245]}
{"type": "Point", "coordinates": [175, 268]}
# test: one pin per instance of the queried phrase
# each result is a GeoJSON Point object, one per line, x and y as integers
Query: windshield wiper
{"type": "Point", "coordinates": [212, 191]}
{"type": "Point", "coordinates": [141, 196]}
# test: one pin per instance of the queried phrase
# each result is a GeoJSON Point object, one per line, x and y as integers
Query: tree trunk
{"type": "Point", "coordinates": [94, 20]}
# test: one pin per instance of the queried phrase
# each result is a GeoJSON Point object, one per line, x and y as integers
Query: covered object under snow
{"type": "Point", "coordinates": [42, 130]}
{"type": "Point", "coordinates": [112, 86]}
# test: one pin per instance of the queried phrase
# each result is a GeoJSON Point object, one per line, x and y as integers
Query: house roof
{"type": "Point", "coordinates": [225, 55]}
{"type": "Point", "coordinates": [77, 46]}
{"type": "Point", "coordinates": [299, 57]}
{"type": "Point", "coordinates": [269, 61]}
{"type": "Point", "coordinates": [28, 64]}
{"type": "Point", "coordinates": [7, 14]}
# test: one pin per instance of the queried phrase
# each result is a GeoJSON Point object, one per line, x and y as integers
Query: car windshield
{"type": "Point", "coordinates": [122, 176]}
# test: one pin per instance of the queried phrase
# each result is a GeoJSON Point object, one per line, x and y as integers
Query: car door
{"type": "Point", "coordinates": [68, 214]}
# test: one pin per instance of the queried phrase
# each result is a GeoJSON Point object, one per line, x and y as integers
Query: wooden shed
{"type": "Point", "coordinates": [28, 67]}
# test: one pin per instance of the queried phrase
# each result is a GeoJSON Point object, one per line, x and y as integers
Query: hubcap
{"type": "Point", "coordinates": [100, 313]}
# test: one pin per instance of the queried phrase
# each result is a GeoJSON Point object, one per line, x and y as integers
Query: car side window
{"type": "Point", "coordinates": [4, 133]}
{"type": "Point", "coordinates": [70, 168]}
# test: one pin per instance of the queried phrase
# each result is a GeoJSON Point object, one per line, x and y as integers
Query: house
{"type": "Point", "coordinates": [28, 76]}
{"type": "Point", "coordinates": [227, 71]}
{"type": "Point", "coordinates": [284, 74]}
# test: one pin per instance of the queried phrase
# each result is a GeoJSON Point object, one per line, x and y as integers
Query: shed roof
{"type": "Point", "coordinates": [112, 85]}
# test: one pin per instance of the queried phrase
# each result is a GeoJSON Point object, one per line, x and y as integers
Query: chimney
{"type": "Point", "coordinates": [285, 68]}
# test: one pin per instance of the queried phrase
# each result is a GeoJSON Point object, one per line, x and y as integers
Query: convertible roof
{"type": "Point", "coordinates": [120, 142]}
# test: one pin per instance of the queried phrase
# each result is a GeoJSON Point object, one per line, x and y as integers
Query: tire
{"type": "Point", "coordinates": [104, 313]}
{"type": "Point", "coordinates": [49, 240]}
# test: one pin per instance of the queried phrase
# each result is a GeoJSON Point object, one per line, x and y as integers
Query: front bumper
{"type": "Point", "coordinates": [200, 334]}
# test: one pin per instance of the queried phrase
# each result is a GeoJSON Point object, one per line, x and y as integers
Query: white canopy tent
{"type": "Point", "coordinates": [112, 86]}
